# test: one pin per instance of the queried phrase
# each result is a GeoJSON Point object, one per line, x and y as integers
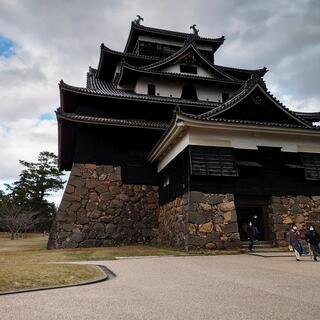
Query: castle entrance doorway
{"type": "Point", "coordinates": [253, 209]}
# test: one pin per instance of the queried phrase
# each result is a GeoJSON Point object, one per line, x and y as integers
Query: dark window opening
{"type": "Point", "coordinates": [269, 155]}
{"type": "Point", "coordinates": [311, 163]}
{"type": "Point", "coordinates": [225, 96]}
{"type": "Point", "coordinates": [188, 69]}
{"type": "Point", "coordinates": [189, 92]}
{"type": "Point", "coordinates": [151, 89]}
{"type": "Point", "coordinates": [156, 49]}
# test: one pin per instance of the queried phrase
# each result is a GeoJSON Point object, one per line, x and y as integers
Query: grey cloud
{"type": "Point", "coordinates": [61, 38]}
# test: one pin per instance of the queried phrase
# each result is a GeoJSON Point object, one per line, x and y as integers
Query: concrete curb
{"type": "Point", "coordinates": [108, 275]}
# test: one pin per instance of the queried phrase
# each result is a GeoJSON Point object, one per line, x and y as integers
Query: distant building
{"type": "Point", "coordinates": [167, 147]}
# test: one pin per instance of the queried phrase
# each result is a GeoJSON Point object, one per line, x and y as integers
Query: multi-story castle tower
{"type": "Point", "coordinates": [166, 146]}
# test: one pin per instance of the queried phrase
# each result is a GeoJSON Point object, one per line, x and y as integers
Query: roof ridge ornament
{"type": "Point", "coordinates": [195, 30]}
{"type": "Point", "coordinates": [177, 109]}
{"type": "Point", "coordinates": [189, 41]}
{"type": "Point", "coordinates": [255, 79]}
{"type": "Point", "coordinates": [138, 20]}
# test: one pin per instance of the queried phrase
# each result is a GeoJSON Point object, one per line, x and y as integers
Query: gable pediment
{"type": "Point", "coordinates": [189, 56]}
{"type": "Point", "coordinates": [258, 105]}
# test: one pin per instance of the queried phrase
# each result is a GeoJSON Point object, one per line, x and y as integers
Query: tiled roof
{"type": "Point", "coordinates": [110, 58]}
{"type": "Point", "coordinates": [248, 122]}
{"type": "Point", "coordinates": [175, 33]}
{"type": "Point", "coordinates": [160, 62]}
{"type": "Point", "coordinates": [99, 87]}
{"type": "Point", "coordinates": [126, 66]}
{"type": "Point", "coordinates": [132, 123]}
{"type": "Point", "coordinates": [169, 33]}
{"type": "Point", "coordinates": [238, 95]}
{"type": "Point", "coordinates": [310, 116]}
{"type": "Point", "coordinates": [245, 90]}
{"type": "Point", "coordinates": [127, 54]}
{"type": "Point", "coordinates": [261, 71]}
{"type": "Point", "coordinates": [188, 45]}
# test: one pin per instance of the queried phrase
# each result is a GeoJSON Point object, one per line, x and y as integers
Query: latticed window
{"type": "Point", "coordinates": [213, 161]}
{"type": "Point", "coordinates": [311, 163]}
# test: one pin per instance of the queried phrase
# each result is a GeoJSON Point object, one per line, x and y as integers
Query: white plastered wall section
{"type": "Point", "coordinates": [200, 71]}
{"type": "Point", "coordinates": [166, 88]}
{"type": "Point", "coordinates": [241, 138]}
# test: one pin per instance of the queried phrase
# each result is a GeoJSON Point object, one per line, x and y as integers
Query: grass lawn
{"type": "Point", "coordinates": [25, 262]}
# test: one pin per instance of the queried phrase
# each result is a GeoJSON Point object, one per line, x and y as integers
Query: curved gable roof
{"type": "Point", "coordinates": [110, 58]}
{"type": "Point", "coordinates": [188, 48]}
{"type": "Point", "coordinates": [128, 73]}
{"type": "Point", "coordinates": [254, 83]}
{"type": "Point", "coordinates": [137, 29]}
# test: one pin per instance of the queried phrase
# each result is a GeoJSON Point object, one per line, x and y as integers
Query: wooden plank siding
{"type": "Point", "coordinates": [257, 174]}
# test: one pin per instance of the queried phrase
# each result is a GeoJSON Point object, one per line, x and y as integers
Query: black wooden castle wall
{"type": "Point", "coordinates": [265, 172]}
{"type": "Point", "coordinates": [118, 146]}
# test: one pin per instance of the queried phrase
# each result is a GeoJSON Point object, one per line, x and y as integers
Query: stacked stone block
{"type": "Point", "coordinates": [301, 210]}
{"type": "Point", "coordinates": [199, 221]}
{"type": "Point", "coordinates": [97, 209]}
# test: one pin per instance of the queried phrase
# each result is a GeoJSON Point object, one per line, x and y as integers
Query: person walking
{"type": "Point", "coordinates": [313, 238]}
{"type": "Point", "coordinates": [294, 241]}
{"type": "Point", "coordinates": [252, 234]}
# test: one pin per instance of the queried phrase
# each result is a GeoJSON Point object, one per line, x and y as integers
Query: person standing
{"type": "Point", "coordinates": [294, 241]}
{"type": "Point", "coordinates": [252, 234]}
{"type": "Point", "coordinates": [313, 238]}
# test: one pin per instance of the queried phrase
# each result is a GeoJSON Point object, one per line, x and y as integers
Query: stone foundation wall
{"type": "Point", "coordinates": [301, 210]}
{"type": "Point", "coordinates": [98, 210]}
{"type": "Point", "coordinates": [199, 221]}
{"type": "Point", "coordinates": [173, 223]}
{"type": "Point", "coordinates": [212, 222]}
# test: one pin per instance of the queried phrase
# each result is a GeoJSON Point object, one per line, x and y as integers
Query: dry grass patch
{"type": "Point", "coordinates": [32, 276]}
{"type": "Point", "coordinates": [25, 262]}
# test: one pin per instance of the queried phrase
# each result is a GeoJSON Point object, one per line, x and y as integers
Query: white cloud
{"type": "Point", "coordinates": [24, 139]}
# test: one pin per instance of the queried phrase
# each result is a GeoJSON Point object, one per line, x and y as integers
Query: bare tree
{"type": "Point", "coordinates": [15, 220]}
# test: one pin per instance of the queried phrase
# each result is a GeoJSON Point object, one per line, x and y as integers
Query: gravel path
{"type": "Point", "coordinates": [221, 287]}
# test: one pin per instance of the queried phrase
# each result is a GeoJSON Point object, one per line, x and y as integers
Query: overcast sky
{"type": "Point", "coordinates": [43, 41]}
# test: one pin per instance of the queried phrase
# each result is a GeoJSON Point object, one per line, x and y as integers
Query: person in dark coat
{"type": "Point", "coordinates": [313, 238]}
{"type": "Point", "coordinates": [294, 241]}
{"type": "Point", "coordinates": [252, 234]}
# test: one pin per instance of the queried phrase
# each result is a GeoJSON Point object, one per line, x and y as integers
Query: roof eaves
{"type": "Point", "coordinates": [127, 66]}
{"type": "Point", "coordinates": [120, 94]}
{"type": "Point", "coordinates": [261, 71]}
{"type": "Point", "coordinates": [129, 37]}
{"type": "Point", "coordinates": [152, 154]}
{"type": "Point", "coordinates": [310, 116]}
{"type": "Point", "coordinates": [128, 54]}
{"type": "Point", "coordinates": [247, 122]}
{"type": "Point", "coordinates": [175, 33]}
{"type": "Point", "coordinates": [188, 44]}
{"type": "Point", "coordinates": [166, 60]}
{"type": "Point", "coordinates": [137, 123]}
{"type": "Point", "coordinates": [247, 88]}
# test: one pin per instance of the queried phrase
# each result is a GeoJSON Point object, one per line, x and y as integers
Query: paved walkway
{"type": "Point", "coordinates": [223, 287]}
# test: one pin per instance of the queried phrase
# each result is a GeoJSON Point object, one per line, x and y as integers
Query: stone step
{"type": "Point", "coordinates": [258, 244]}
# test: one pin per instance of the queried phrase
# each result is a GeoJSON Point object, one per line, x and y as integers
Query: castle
{"type": "Point", "coordinates": [167, 147]}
